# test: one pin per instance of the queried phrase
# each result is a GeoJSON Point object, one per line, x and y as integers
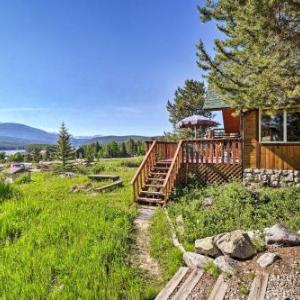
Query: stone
{"type": "Point", "coordinates": [248, 171]}
{"type": "Point", "coordinates": [267, 259]}
{"type": "Point", "coordinates": [270, 172]}
{"type": "Point", "coordinates": [274, 183]}
{"type": "Point", "coordinates": [281, 236]}
{"type": "Point", "coordinates": [226, 264]}
{"type": "Point", "coordinates": [207, 202]}
{"type": "Point", "coordinates": [180, 224]}
{"type": "Point", "coordinates": [289, 177]}
{"type": "Point", "coordinates": [195, 260]}
{"type": "Point", "coordinates": [297, 173]}
{"type": "Point", "coordinates": [206, 246]}
{"type": "Point", "coordinates": [253, 234]}
{"type": "Point", "coordinates": [235, 244]}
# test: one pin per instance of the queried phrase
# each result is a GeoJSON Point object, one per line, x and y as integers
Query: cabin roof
{"type": "Point", "coordinates": [213, 101]}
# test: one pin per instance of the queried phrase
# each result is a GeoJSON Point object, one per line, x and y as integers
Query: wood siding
{"type": "Point", "coordinates": [266, 156]}
{"type": "Point", "coordinates": [231, 121]}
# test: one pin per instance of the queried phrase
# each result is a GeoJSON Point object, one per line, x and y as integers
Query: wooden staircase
{"type": "Point", "coordinates": [156, 176]}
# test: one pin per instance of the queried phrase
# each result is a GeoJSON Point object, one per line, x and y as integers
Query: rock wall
{"type": "Point", "coordinates": [274, 178]}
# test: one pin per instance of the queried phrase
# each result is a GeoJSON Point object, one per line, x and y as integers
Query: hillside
{"type": "Point", "coordinates": [14, 135]}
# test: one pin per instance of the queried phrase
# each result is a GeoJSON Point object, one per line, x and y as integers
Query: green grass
{"type": "Point", "coordinates": [60, 245]}
{"type": "Point", "coordinates": [235, 207]}
{"type": "Point", "coordinates": [161, 246]}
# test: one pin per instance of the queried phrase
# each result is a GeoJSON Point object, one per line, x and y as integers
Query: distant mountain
{"type": "Point", "coordinates": [14, 135]}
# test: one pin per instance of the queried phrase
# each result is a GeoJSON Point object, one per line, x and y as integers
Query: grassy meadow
{"type": "Point", "coordinates": [61, 245]}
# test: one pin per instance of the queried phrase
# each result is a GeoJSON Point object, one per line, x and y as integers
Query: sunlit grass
{"type": "Point", "coordinates": [61, 245]}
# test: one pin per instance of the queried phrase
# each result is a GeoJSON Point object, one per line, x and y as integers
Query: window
{"type": "Point", "coordinates": [272, 126]}
{"type": "Point", "coordinates": [280, 126]}
{"type": "Point", "coordinates": [293, 125]}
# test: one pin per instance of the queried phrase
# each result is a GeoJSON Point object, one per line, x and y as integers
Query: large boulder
{"type": "Point", "coordinates": [235, 244]}
{"type": "Point", "coordinates": [195, 260]}
{"type": "Point", "coordinates": [206, 246]}
{"type": "Point", "coordinates": [226, 264]}
{"type": "Point", "coordinates": [281, 236]}
{"type": "Point", "coordinates": [267, 259]}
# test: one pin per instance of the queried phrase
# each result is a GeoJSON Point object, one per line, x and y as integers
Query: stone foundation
{"type": "Point", "coordinates": [273, 178]}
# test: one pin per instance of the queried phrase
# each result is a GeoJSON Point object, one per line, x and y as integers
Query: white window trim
{"type": "Point", "coordinates": [285, 141]}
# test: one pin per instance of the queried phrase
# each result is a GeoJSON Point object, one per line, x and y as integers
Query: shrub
{"type": "Point", "coordinates": [98, 168]}
{"type": "Point", "coordinates": [23, 178]}
{"type": "Point", "coordinates": [7, 191]}
{"type": "Point", "coordinates": [130, 163]}
{"type": "Point", "coordinates": [81, 169]}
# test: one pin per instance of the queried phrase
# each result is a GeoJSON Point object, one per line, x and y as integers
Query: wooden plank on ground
{"type": "Point", "coordinates": [219, 290]}
{"type": "Point", "coordinates": [104, 177]}
{"type": "Point", "coordinates": [259, 287]}
{"type": "Point", "coordinates": [172, 284]}
{"type": "Point", "coordinates": [188, 285]}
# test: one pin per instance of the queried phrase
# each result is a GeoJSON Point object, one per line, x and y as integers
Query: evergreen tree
{"type": "Point", "coordinates": [64, 151]}
{"type": "Point", "coordinates": [257, 63]}
{"type": "Point", "coordinates": [188, 100]}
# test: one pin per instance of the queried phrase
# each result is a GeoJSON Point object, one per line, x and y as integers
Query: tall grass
{"type": "Point", "coordinates": [59, 245]}
{"type": "Point", "coordinates": [7, 191]}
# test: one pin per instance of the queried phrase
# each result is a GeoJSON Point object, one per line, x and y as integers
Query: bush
{"type": "Point", "coordinates": [23, 178]}
{"type": "Point", "coordinates": [98, 168]}
{"type": "Point", "coordinates": [81, 169]}
{"type": "Point", "coordinates": [7, 191]}
{"type": "Point", "coordinates": [130, 163]}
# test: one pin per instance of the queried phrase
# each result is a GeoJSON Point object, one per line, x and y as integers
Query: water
{"type": "Point", "coordinates": [11, 152]}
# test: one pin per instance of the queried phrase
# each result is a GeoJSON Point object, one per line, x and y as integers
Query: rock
{"type": "Point", "coordinates": [254, 234]}
{"type": "Point", "coordinates": [281, 236]}
{"type": "Point", "coordinates": [195, 260]}
{"type": "Point", "coordinates": [267, 259]}
{"type": "Point", "coordinates": [207, 202]}
{"type": "Point", "coordinates": [235, 244]}
{"type": "Point", "coordinates": [207, 247]}
{"type": "Point", "coordinates": [180, 224]}
{"type": "Point", "coordinates": [225, 264]}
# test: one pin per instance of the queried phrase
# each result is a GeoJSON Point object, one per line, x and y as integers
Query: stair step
{"type": "Point", "coordinates": [161, 168]}
{"type": "Point", "coordinates": [154, 173]}
{"type": "Point", "coordinates": [219, 290]}
{"type": "Point", "coordinates": [152, 193]}
{"type": "Point", "coordinates": [172, 284]}
{"type": "Point", "coordinates": [259, 287]}
{"type": "Point", "coordinates": [158, 186]}
{"type": "Point", "coordinates": [188, 285]}
{"type": "Point", "coordinates": [149, 200]}
{"type": "Point", "coordinates": [155, 179]}
{"type": "Point", "coordinates": [164, 162]}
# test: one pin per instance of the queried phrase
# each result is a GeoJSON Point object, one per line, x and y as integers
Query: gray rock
{"type": "Point", "coordinates": [206, 246]}
{"type": "Point", "coordinates": [180, 224]}
{"type": "Point", "coordinates": [235, 244]}
{"type": "Point", "coordinates": [207, 202]}
{"type": "Point", "coordinates": [281, 236]}
{"type": "Point", "coordinates": [195, 260]}
{"type": "Point", "coordinates": [267, 259]}
{"type": "Point", "coordinates": [225, 264]}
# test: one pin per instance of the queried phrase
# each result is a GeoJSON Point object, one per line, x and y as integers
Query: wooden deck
{"type": "Point", "coordinates": [168, 163]}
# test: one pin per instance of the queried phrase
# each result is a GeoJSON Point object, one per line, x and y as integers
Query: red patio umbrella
{"type": "Point", "coordinates": [196, 121]}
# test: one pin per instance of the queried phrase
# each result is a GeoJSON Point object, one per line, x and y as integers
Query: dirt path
{"type": "Point", "coordinates": [142, 257]}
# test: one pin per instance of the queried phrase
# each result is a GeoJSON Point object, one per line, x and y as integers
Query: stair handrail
{"type": "Point", "coordinates": [137, 178]}
{"type": "Point", "coordinates": [169, 180]}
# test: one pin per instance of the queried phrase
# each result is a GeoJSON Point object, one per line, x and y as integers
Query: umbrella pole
{"type": "Point", "coordinates": [195, 132]}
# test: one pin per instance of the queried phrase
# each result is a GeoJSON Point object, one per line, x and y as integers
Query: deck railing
{"type": "Point", "coordinates": [171, 177]}
{"type": "Point", "coordinates": [214, 151]}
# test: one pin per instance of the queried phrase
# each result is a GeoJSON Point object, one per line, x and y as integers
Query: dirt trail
{"type": "Point", "coordinates": [142, 257]}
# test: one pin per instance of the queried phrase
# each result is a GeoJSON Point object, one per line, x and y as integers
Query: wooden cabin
{"type": "Point", "coordinates": [256, 146]}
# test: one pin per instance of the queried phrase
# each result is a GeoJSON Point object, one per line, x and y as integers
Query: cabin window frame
{"type": "Point", "coordinates": [285, 141]}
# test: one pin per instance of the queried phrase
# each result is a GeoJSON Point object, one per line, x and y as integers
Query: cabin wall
{"type": "Point", "coordinates": [266, 156]}
{"type": "Point", "coordinates": [231, 120]}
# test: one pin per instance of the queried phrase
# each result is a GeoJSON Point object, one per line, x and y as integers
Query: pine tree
{"type": "Point", "coordinates": [188, 100]}
{"type": "Point", "coordinates": [64, 151]}
{"type": "Point", "coordinates": [257, 63]}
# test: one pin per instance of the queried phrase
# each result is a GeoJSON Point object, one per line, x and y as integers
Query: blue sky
{"type": "Point", "coordinates": [102, 66]}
